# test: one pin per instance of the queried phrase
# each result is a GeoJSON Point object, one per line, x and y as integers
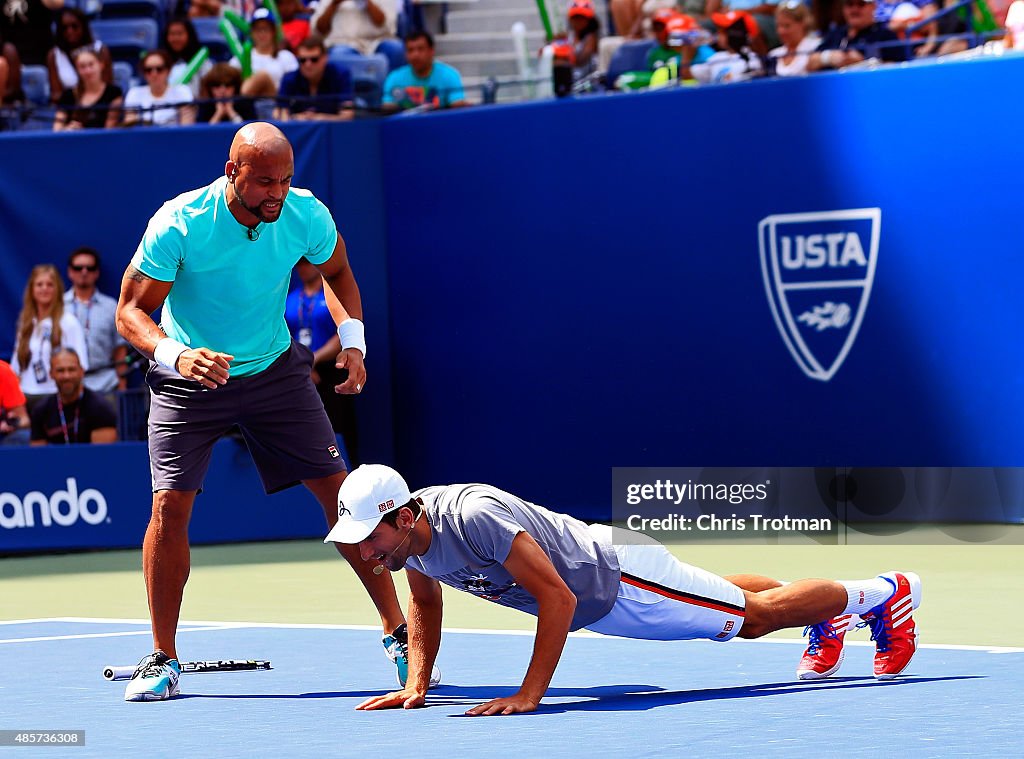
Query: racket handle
{"type": "Point", "coordinates": [112, 672]}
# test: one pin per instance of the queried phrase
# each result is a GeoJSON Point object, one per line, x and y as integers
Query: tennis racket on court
{"type": "Point", "coordinates": [113, 672]}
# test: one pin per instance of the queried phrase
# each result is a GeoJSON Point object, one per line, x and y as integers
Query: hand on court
{"type": "Point", "coordinates": [517, 704]}
{"type": "Point", "coordinates": [407, 699]}
{"type": "Point", "coordinates": [209, 368]}
{"type": "Point", "coordinates": [351, 359]}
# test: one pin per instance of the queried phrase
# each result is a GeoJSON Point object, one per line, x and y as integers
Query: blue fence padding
{"type": "Point", "coordinates": [540, 333]}
{"type": "Point", "coordinates": [70, 497]}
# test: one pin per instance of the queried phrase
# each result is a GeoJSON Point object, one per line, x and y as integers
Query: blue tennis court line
{"type": "Point", "coordinates": [609, 696]}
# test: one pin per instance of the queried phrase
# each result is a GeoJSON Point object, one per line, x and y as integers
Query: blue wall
{"type": "Point", "coordinates": [590, 275]}
{"type": "Point", "coordinates": [556, 289]}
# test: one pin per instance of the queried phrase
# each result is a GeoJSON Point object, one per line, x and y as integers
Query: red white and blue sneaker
{"type": "Point", "coordinates": [892, 625]}
{"type": "Point", "coordinates": [396, 646]}
{"type": "Point", "coordinates": [825, 652]}
{"type": "Point", "coordinates": [155, 679]}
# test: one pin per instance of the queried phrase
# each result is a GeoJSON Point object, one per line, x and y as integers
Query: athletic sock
{"type": "Point", "coordinates": [865, 595]}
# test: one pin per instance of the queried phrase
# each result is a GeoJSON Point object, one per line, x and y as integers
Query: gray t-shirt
{"type": "Point", "coordinates": [473, 528]}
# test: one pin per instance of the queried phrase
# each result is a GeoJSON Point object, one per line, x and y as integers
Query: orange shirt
{"type": "Point", "coordinates": [10, 391]}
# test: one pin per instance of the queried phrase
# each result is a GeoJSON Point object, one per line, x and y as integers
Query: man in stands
{"type": "Point", "coordinates": [75, 414]}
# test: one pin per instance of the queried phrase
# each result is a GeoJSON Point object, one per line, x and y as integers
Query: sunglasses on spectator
{"type": "Point", "coordinates": [83, 267]}
{"type": "Point", "coordinates": [153, 69]}
{"type": "Point", "coordinates": [310, 59]}
{"type": "Point", "coordinates": [857, 3]}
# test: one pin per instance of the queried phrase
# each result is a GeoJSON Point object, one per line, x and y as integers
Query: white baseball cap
{"type": "Point", "coordinates": [367, 494]}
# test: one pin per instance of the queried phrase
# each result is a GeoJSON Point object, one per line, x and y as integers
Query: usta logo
{"type": "Point", "coordinates": [63, 508]}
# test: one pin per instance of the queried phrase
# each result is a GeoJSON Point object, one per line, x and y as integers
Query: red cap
{"type": "Point", "coordinates": [583, 8]}
{"type": "Point", "coordinates": [664, 15]}
{"type": "Point", "coordinates": [725, 20]}
{"type": "Point", "coordinates": [680, 22]}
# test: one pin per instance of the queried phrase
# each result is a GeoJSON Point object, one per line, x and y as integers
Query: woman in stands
{"type": "Point", "coordinates": [221, 103]}
{"type": "Point", "coordinates": [92, 103]}
{"type": "Point", "coordinates": [741, 46]}
{"type": "Point", "coordinates": [182, 42]}
{"type": "Point", "coordinates": [73, 32]}
{"type": "Point", "coordinates": [158, 102]}
{"type": "Point", "coordinates": [270, 61]}
{"type": "Point", "coordinates": [795, 26]}
{"type": "Point", "coordinates": [43, 325]}
{"type": "Point", "coordinates": [584, 33]}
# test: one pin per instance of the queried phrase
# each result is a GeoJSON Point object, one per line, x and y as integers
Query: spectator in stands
{"type": "Point", "coordinates": [91, 103]}
{"type": "Point", "coordinates": [73, 33]}
{"type": "Point", "coordinates": [1014, 38]}
{"type": "Point", "coordinates": [794, 24]}
{"type": "Point", "coordinates": [294, 27]}
{"type": "Point", "coordinates": [684, 43]}
{"type": "Point", "coordinates": [74, 413]}
{"type": "Point", "coordinates": [364, 26]}
{"type": "Point", "coordinates": [584, 33]}
{"type": "Point", "coordinates": [10, 73]}
{"type": "Point", "coordinates": [311, 324]}
{"type": "Point", "coordinates": [761, 11]}
{"type": "Point", "coordinates": [43, 326]}
{"type": "Point", "coordinates": [319, 90]}
{"type": "Point", "coordinates": [270, 61]}
{"type": "Point", "coordinates": [740, 48]}
{"type": "Point", "coordinates": [14, 421]}
{"type": "Point", "coordinates": [94, 310]}
{"type": "Point", "coordinates": [655, 13]}
{"type": "Point", "coordinates": [854, 41]}
{"type": "Point", "coordinates": [27, 24]}
{"type": "Point", "coordinates": [143, 103]}
{"type": "Point", "coordinates": [182, 43]}
{"type": "Point", "coordinates": [627, 16]}
{"type": "Point", "coordinates": [223, 84]}
{"type": "Point", "coordinates": [423, 80]}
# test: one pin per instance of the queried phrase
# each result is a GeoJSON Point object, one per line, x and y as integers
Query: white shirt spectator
{"type": "Point", "coordinates": [142, 97]}
{"type": "Point", "coordinates": [276, 66]}
{"type": "Point", "coordinates": [1015, 24]}
{"type": "Point", "coordinates": [798, 65]}
{"type": "Point", "coordinates": [352, 25]}
{"type": "Point", "coordinates": [35, 378]}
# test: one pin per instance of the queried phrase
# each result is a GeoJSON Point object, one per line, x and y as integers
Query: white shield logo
{"type": "Point", "coordinates": [818, 270]}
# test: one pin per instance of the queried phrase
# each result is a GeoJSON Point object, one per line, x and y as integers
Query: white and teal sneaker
{"type": "Point", "coordinates": [396, 646]}
{"type": "Point", "coordinates": [155, 679]}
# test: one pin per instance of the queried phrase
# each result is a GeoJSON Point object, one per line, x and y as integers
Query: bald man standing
{"type": "Point", "coordinates": [219, 260]}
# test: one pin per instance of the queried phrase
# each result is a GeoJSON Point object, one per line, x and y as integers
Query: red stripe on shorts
{"type": "Point", "coordinates": [687, 598]}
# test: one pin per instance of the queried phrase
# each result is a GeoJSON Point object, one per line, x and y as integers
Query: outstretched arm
{"type": "Point", "coordinates": [425, 613]}
{"type": "Point", "coordinates": [556, 604]}
{"type": "Point", "coordinates": [141, 295]}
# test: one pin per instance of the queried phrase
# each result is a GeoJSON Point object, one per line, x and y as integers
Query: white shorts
{"type": "Point", "coordinates": [661, 598]}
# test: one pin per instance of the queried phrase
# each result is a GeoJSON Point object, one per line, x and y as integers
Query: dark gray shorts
{"type": "Point", "coordinates": [278, 410]}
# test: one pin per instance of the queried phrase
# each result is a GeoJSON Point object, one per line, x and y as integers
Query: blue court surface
{"type": "Point", "coordinates": [609, 697]}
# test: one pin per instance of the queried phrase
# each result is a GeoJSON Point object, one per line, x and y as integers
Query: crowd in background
{"type": "Point", "coordinates": [300, 60]}
{"type": "Point", "coordinates": [70, 366]}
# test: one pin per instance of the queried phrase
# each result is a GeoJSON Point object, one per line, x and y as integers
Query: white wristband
{"type": "Point", "coordinates": [167, 351]}
{"type": "Point", "coordinates": [351, 334]}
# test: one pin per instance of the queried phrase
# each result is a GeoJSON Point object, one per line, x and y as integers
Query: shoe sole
{"type": "Point", "coordinates": [810, 674]}
{"type": "Point", "coordinates": [149, 696]}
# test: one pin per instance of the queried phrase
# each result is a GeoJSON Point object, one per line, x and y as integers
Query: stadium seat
{"type": "Point", "coordinates": [368, 75]}
{"type": "Point", "coordinates": [209, 33]}
{"type": "Point", "coordinates": [154, 9]}
{"type": "Point", "coordinates": [124, 75]}
{"type": "Point", "coordinates": [127, 38]}
{"type": "Point", "coordinates": [35, 82]}
{"type": "Point", "coordinates": [631, 56]}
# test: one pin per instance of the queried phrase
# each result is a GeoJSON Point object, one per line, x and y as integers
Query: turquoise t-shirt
{"type": "Point", "coordinates": [229, 292]}
{"type": "Point", "coordinates": [441, 88]}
